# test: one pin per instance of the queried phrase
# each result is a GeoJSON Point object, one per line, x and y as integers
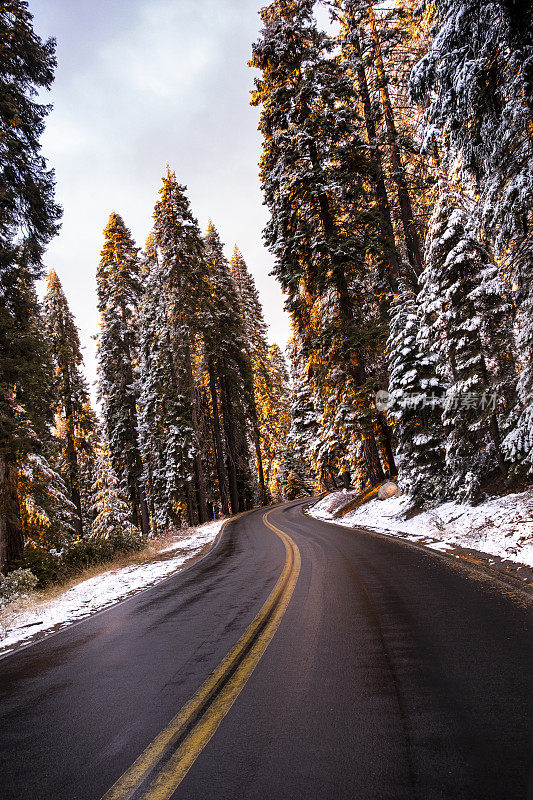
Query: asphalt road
{"type": "Point", "coordinates": [394, 673]}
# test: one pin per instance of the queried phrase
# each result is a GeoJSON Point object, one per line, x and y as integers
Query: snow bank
{"type": "Point", "coordinates": [501, 526]}
{"type": "Point", "coordinates": [103, 590]}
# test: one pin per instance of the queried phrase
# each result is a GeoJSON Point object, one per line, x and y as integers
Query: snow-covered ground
{"type": "Point", "coordinates": [501, 526]}
{"type": "Point", "coordinates": [103, 590]}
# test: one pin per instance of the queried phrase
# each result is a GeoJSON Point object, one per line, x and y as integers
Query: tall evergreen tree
{"type": "Point", "coordinates": [112, 513]}
{"type": "Point", "coordinates": [297, 473]}
{"type": "Point", "coordinates": [416, 396]}
{"type": "Point", "coordinates": [49, 518]}
{"type": "Point", "coordinates": [350, 42]}
{"type": "Point", "coordinates": [475, 86]}
{"type": "Point", "coordinates": [28, 220]}
{"type": "Point", "coordinates": [255, 331]}
{"type": "Point", "coordinates": [75, 421]}
{"type": "Point", "coordinates": [175, 316]}
{"type": "Point", "coordinates": [275, 420]}
{"type": "Point", "coordinates": [362, 42]}
{"type": "Point", "coordinates": [230, 373]}
{"type": "Point", "coordinates": [119, 289]}
{"type": "Point", "coordinates": [466, 322]}
{"type": "Point", "coordinates": [323, 230]}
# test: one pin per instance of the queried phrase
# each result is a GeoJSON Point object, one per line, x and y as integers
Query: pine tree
{"type": "Point", "coordinates": [174, 318]}
{"type": "Point", "coordinates": [167, 437]}
{"type": "Point", "coordinates": [255, 327]}
{"type": "Point", "coordinates": [119, 288]}
{"type": "Point", "coordinates": [475, 84]}
{"type": "Point", "coordinates": [416, 396]}
{"type": "Point", "coordinates": [323, 230]}
{"type": "Point", "coordinates": [362, 38]}
{"type": "Point", "coordinates": [75, 421]}
{"type": "Point", "coordinates": [230, 373]}
{"type": "Point", "coordinates": [275, 420]}
{"type": "Point", "coordinates": [255, 331]}
{"type": "Point", "coordinates": [49, 518]}
{"type": "Point", "coordinates": [466, 322]}
{"type": "Point", "coordinates": [298, 468]}
{"type": "Point", "coordinates": [350, 42]}
{"type": "Point", "coordinates": [28, 220]}
{"type": "Point", "coordinates": [112, 510]}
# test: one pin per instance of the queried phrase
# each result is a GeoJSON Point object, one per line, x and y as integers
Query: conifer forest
{"type": "Point", "coordinates": [396, 166]}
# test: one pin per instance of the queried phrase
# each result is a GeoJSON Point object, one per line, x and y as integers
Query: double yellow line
{"type": "Point", "coordinates": [160, 769]}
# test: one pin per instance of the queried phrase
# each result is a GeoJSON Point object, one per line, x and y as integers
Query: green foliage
{"type": "Point", "coordinates": [75, 421]}
{"type": "Point", "coordinates": [112, 513]}
{"type": "Point", "coordinates": [173, 321]}
{"type": "Point", "coordinates": [16, 583]}
{"type": "Point", "coordinates": [120, 290]}
{"type": "Point", "coordinates": [44, 564]}
{"type": "Point", "coordinates": [51, 567]}
{"type": "Point", "coordinates": [28, 220]}
{"type": "Point", "coordinates": [295, 486]}
{"type": "Point", "coordinates": [48, 516]}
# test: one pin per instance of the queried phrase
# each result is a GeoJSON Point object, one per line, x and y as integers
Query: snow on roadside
{"type": "Point", "coordinates": [106, 589]}
{"type": "Point", "coordinates": [501, 526]}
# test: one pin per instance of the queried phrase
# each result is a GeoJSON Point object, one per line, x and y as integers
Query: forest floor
{"type": "Point", "coordinates": [497, 532]}
{"type": "Point", "coordinates": [43, 612]}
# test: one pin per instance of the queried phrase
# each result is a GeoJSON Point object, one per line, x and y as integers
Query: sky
{"type": "Point", "coordinates": [140, 83]}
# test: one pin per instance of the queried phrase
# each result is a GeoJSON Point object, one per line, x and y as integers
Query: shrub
{"type": "Point", "coordinates": [45, 565]}
{"type": "Point", "coordinates": [15, 584]}
{"type": "Point", "coordinates": [51, 567]}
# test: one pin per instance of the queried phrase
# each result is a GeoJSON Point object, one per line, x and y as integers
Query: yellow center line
{"type": "Point", "coordinates": [230, 676]}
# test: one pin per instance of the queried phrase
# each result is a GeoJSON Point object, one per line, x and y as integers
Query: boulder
{"type": "Point", "coordinates": [388, 489]}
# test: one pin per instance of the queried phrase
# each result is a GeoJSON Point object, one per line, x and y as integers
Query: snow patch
{"type": "Point", "coordinates": [104, 590]}
{"type": "Point", "coordinates": [501, 526]}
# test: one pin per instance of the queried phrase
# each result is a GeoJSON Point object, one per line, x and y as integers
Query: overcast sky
{"type": "Point", "coordinates": [140, 83]}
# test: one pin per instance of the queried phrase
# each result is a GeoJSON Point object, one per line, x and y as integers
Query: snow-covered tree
{"type": "Point", "coordinates": [304, 430]}
{"type": "Point", "coordinates": [111, 508]}
{"type": "Point", "coordinates": [475, 84]}
{"type": "Point", "coordinates": [275, 419]}
{"type": "Point", "coordinates": [119, 293]}
{"type": "Point", "coordinates": [323, 229]}
{"type": "Point", "coordinates": [49, 518]}
{"type": "Point", "coordinates": [230, 371]}
{"type": "Point", "coordinates": [415, 397]}
{"type": "Point", "coordinates": [466, 323]}
{"type": "Point", "coordinates": [265, 382]}
{"type": "Point", "coordinates": [365, 38]}
{"type": "Point", "coordinates": [174, 317]}
{"type": "Point", "coordinates": [28, 220]}
{"type": "Point", "coordinates": [74, 419]}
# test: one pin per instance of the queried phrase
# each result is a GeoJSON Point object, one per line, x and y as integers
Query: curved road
{"type": "Point", "coordinates": [394, 673]}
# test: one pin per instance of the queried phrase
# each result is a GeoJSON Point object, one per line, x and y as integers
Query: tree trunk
{"type": "Point", "coordinates": [217, 440]}
{"type": "Point", "coordinates": [145, 515]}
{"type": "Point", "coordinates": [72, 456]}
{"type": "Point", "coordinates": [380, 189]}
{"type": "Point", "coordinates": [199, 476]}
{"type": "Point", "coordinates": [387, 444]}
{"type": "Point", "coordinates": [412, 243]}
{"type": "Point", "coordinates": [355, 366]}
{"type": "Point", "coordinates": [190, 506]}
{"type": "Point", "coordinates": [374, 469]}
{"type": "Point", "coordinates": [138, 490]}
{"type": "Point", "coordinates": [230, 448]}
{"type": "Point", "coordinates": [11, 536]}
{"type": "Point", "coordinates": [259, 462]}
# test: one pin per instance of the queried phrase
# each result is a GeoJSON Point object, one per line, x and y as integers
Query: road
{"type": "Point", "coordinates": [379, 671]}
